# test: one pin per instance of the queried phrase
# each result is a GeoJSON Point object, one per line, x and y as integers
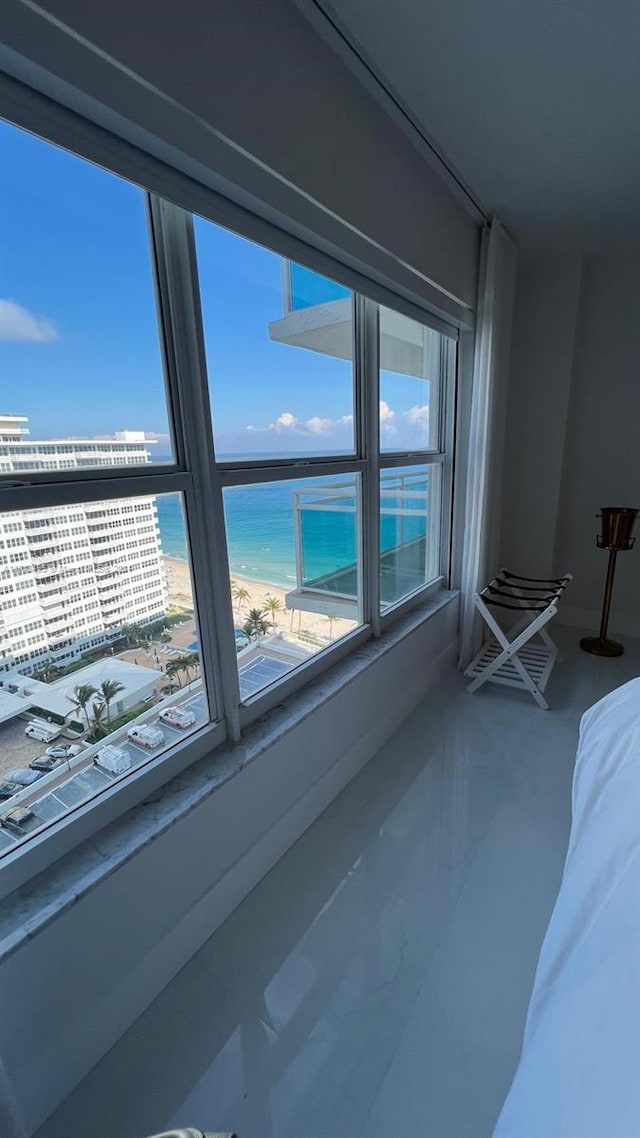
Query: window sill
{"type": "Point", "coordinates": [35, 905]}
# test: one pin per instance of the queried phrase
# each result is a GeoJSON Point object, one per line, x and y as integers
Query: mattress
{"type": "Point", "coordinates": [579, 1072]}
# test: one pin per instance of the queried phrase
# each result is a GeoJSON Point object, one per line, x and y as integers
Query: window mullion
{"type": "Point", "coordinates": [367, 418]}
{"type": "Point", "coordinates": [15, 495]}
{"type": "Point", "coordinates": [254, 475]}
{"type": "Point", "coordinates": [180, 301]}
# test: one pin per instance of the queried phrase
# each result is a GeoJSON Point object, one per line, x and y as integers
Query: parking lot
{"type": "Point", "coordinates": [67, 790]}
{"type": "Point", "coordinates": [16, 749]}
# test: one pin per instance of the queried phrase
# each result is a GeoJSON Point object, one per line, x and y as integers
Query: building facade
{"type": "Point", "coordinates": [72, 576]}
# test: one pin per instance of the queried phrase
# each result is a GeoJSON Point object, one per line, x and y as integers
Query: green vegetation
{"type": "Point", "coordinates": [309, 638]}
{"type": "Point", "coordinates": [183, 665]}
{"type": "Point", "coordinates": [256, 624]}
{"type": "Point", "coordinates": [109, 689]}
{"type": "Point", "coordinates": [240, 594]}
{"type": "Point", "coordinates": [99, 724]}
{"type": "Point", "coordinates": [52, 716]}
{"type": "Point", "coordinates": [99, 728]}
{"type": "Point", "coordinates": [81, 698]}
{"type": "Point", "coordinates": [273, 606]}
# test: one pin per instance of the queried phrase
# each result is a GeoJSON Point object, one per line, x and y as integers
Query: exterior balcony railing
{"type": "Point", "coordinates": [326, 543]}
{"type": "Point", "coordinates": [303, 288]}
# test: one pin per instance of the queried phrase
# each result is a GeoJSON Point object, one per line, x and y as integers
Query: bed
{"type": "Point", "coordinates": [579, 1072]}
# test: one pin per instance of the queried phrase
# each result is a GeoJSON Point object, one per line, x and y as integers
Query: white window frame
{"type": "Point", "coordinates": [197, 475]}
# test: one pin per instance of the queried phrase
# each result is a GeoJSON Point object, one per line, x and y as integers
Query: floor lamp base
{"type": "Point", "coordinates": [598, 646]}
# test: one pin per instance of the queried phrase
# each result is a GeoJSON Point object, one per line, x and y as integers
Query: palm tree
{"type": "Point", "coordinates": [81, 698]}
{"type": "Point", "coordinates": [272, 606]}
{"type": "Point", "coordinates": [132, 633]}
{"type": "Point", "coordinates": [109, 689]}
{"type": "Point", "coordinates": [330, 619]}
{"type": "Point", "coordinates": [256, 624]}
{"type": "Point", "coordinates": [98, 727]}
{"type": "Point", "coordinates": [173, 669]}
{"type": "Point", "coordinates": [190, 662]}
{"type": "Point", "coordinates": [240, 594]}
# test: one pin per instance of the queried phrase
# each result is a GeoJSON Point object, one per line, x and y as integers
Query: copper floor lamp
{"type": "Point", "coordinates": [616, 528]}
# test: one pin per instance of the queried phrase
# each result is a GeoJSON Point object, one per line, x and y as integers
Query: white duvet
{"type": "Point", "coordinates": [579, 1073]}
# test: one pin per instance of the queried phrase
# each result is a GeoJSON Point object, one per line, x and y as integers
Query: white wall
{"type": "Point", "coordinates": [544, 329]}
{"type": "Point", "coordinates": [69, 992]}
{"type": "Point", "coordinates": [247, 92]}
{"type": "Point", "coordinates": [602, 445]}
{"type": "Point", "coordinates": [573, 432]}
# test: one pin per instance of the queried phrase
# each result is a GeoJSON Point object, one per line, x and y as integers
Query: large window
{"type": "Point", "coordinates": [280, 379]}
{"type": "Point", "coordinates": [219, 471]}
{"type": "Point", "coordinates": [78, 329]}
{"type": "Point", "coordinates": [295, 572]}
{"type": "Point", "coordinates": [416, 363]}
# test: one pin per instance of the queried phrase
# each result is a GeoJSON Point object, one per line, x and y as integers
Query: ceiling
{"type": "Point", "coordinates": [535, 104]}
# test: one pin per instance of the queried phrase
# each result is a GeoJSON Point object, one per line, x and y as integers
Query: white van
{"type": "Point", "coordinates": [43, 732]}
{"type": "Point", "coordinates": [113, 759]}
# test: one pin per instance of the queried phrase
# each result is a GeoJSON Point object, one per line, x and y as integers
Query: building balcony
{"type": "Point", "coordinates": [326, 542]}
{"type": "Point", "coordinates": [318, 315]}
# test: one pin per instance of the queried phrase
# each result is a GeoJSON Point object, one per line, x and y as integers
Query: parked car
{"type": "Point", "coordinates": [46, 763]}
{"type": "Point", "coordinates": [55, 757]}
{"type": "Point", "coordinates": [23, 775]}
{"type": "Point", "coordinates": [113, 759]}
{"type": "Point", "coordinates": [64, 751]}
{"type": "Point", "coordinates": [20, 820]}
{"type": "Point", "coordinates": [146, 736]}
{"type": "Point", "coordinates": [8, 789]}
{"type": "Point", "coordinates": [177, 717]}
{"type": "Point", "coordinates": [242, 640]}
{"type": "Point", "coordinates": [43, 732]}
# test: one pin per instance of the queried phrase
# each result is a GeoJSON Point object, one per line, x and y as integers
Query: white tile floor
{"type": "Point", "coordinates": [376, 981]}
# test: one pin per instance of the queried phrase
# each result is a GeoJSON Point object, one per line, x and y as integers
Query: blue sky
{"type": "Point", "coordinates": [79, 346]}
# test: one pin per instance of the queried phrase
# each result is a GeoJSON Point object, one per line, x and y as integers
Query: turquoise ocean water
{"type": "Point", "coordinates": [261, 536]}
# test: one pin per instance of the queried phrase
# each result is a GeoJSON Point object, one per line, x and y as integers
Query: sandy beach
{"type": "Point", "coordinates": [298, 627]}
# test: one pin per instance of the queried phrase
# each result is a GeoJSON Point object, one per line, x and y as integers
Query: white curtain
{"type": "Point", "coordinates": [486, 428]}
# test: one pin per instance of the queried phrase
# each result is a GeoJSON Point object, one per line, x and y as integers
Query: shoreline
{"type": "Point", "coordinates": [182, 564]}
{"type": "Point", "coordinates": [290, 622]}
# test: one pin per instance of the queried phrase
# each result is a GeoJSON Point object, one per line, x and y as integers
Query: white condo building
{"type": "Point", "coordinates": [71, 576]}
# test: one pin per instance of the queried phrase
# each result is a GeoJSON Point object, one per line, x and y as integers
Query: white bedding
{"type": "Point", "coordinates": [579, 1073]}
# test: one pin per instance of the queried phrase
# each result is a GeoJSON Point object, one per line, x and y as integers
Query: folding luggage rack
{"type": "Point", "coordinates": [509, 658]}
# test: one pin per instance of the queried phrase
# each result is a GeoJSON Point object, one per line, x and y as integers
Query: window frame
{"type": "Point", "coordinates": [442, 456]}
{"type": "Point", "coordinates": [201, 479]}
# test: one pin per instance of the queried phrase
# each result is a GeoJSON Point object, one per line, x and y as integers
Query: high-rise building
{"type": "Point", "coordinates": [71, 576]}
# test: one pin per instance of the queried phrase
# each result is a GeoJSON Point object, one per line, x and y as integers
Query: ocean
{"type": "Point", "coordinates": [261, 535]}
{"type": "Point", "coordinates": [260, 531]}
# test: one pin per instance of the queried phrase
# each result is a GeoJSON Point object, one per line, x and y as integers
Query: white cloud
{"type": "Point", "coordinates": [418, 416]}
{"type": "Point", "coordinates": [318, 426]}
{"type": "Point", "coordinates": [405, 426]}
{"type": "Point", "coordinates": [17, 323]}
{"type": "Point", "coordinates": [287, 423]}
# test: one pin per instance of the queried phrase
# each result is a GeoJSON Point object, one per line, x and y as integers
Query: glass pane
{"type": "Point", "coordinates": [409, 383]}
{"type": "Point", "coordinates": [279, 349]}
{"type": "Point", "coordinates": [80, 359]}
{"type": "Point", "coordinates": [294, 566]}
{"type": "Point", "coordinates": [99, 653]}
{"type": "Point", "coordinates": [409, 530]}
